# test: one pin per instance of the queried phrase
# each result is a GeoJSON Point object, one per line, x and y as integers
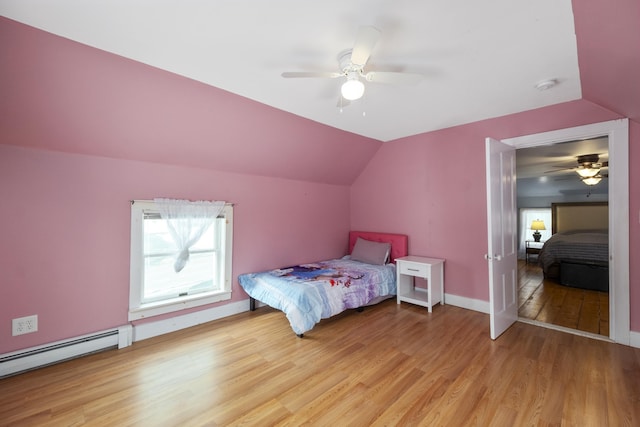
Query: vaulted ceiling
{"type": "Point", "coordinates": [198, 84]}
{"type": "Point", "coordinates": [478, 59]}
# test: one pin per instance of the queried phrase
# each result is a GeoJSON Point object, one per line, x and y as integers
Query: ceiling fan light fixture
{"type": "Point", "coordinates": [592, 180]}
{"type": "Point", "coordinates": [587, 172]}
{"type": "Point", "coordinates": [352, 89]}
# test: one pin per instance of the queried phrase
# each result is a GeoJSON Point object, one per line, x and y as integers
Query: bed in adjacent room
{"type": "Point", "coordinates": [310, 292]}
{"type": "Point", "coordinates": [577, 253]}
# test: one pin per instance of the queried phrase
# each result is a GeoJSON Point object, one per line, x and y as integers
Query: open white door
{"type": "Point", "coordinates": [502, 252]}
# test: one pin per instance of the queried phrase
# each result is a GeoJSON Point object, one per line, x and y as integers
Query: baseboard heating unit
{"type": "Point", "coordinates": [36, 357]}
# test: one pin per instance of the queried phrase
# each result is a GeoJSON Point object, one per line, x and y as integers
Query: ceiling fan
{"type": "Point", "coordinates": [589, 168]}
{"type": "Point", "coordinates": [351, 68]}
{"type": "Point", "coordinates": [587, 163]}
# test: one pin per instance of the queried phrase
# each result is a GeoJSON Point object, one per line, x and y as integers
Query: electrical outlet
{"type": "Point", "coordinates": [24, 325]}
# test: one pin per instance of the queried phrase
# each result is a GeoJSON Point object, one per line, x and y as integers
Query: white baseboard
{"type": "Point", "coordinates": [47, 354]}
{"type": "Point", "coordinates": [155, 328]}
{"type": "Point", "coordinates": [31, 358]}
{"type": "Point", "coordinates": [468, 303]}
{"type": "Point", "coordinates": [152, 329]}
{"type": "Point", "coordinates": [125, 336]}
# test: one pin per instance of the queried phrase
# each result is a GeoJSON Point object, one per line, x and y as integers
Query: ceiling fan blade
{"type": "Point", "coordinates": [321, 74]}
{"type": "Point", "coordinates": [365, 42]}
{"type": "Point", "coordinates": [390, 77]}
{"type": "Point", "coordinates": [560, 169]}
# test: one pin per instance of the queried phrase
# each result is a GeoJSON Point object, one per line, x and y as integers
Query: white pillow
{"type": "Point", "coordinates": [371, 252]}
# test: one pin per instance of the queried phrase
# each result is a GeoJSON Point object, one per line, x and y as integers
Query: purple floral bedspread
{"type": "Point", "coordinates": [310, 292]}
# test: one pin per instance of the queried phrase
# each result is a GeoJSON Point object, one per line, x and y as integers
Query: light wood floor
{"type": "Point", "coordinates": [389, 365]}
{"type": "Point", "coordinates": [549, 302]}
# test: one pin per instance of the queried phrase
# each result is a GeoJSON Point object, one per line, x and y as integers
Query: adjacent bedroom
{"type": "Point", "coordinates": [563, 266]}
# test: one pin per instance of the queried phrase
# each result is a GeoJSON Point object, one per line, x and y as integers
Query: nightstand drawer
{"type": "Point", "coordinates": [414, 269]}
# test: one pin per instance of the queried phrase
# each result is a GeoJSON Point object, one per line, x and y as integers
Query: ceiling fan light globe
{"type": "Point", "coordinates": [592, 180]}
{"type": "Point", "coordinates": [587, 172]}
{"type": "Point", "coordinates": [352, 89]}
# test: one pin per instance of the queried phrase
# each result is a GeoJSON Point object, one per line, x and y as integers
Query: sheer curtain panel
{"type": "Point", "coordinates": [187, 221]}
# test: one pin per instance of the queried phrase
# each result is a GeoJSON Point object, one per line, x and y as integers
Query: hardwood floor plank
{"type": "Point", "coordinates": [423, 402]}
{"type": "Point", "coordinates": [269, 413]}
{"type": "Point", "coordinates": [549, 302]}
{"type": "Point", "coordinates": [295, 399]}
{"type": "Point", "coordinates": [589, 319]}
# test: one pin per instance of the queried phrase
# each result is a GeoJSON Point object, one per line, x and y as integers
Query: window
{"type": "Point", "coordinates": [527, 216]}
{"type": "Point", "coordinates": [155, 285]}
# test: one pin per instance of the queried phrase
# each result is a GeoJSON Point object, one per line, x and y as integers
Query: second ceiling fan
{"type": "Point", "coordinates": [589, 168]}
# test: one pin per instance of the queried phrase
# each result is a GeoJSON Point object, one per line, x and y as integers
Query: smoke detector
{"type": "Point", "coordinates": [546, 84]}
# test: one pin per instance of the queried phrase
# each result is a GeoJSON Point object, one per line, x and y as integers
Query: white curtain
{"type": "Point", "coordinates": [187, 221]}
{"type": "Point", "coordinates": [527, 215]}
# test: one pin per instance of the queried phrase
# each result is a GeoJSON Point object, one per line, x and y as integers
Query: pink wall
{"type": "Point", "coordinates": [634, 224]}
{"type": "Point", "coordinates": [61, 95]}
{"type": "Point", "coordinates": [437, 193]}
{"type": "Point", "coordinates": [608, 38]}
{"type": "Point", "coordinates": [65, 232]}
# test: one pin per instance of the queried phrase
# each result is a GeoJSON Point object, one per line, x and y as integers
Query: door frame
{"type": "Point", "coordinates": [618, 133]}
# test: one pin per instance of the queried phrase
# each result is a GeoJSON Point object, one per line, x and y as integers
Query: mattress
{"type": "Point", "coordinates": [310, 292]}
{"type": "Point", "coordinates": [575, 246]}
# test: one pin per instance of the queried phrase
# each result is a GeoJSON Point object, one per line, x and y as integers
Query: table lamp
{"type": "Point", "coordinates": [537, 225]}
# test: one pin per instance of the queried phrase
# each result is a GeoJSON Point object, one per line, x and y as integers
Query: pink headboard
{"type": "Point", "coordinates": [399, 242]}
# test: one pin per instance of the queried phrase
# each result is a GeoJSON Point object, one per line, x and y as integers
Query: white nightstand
{"type": "Point", "coordinates": [431, 269]}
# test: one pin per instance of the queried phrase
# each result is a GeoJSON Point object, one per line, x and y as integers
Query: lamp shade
{"type": "Point", "coordinates": [538, 224]}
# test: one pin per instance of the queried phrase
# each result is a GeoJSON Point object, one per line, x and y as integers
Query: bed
{"type": "Point", "coordinates": [314, 291]}
{"type": "Point", "coordinates": [577, 253]}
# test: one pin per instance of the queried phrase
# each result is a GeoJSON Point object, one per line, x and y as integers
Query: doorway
{"type": "Point", "coordinates": [617, 132]}
{"type": "Point", "coordinates": [547, 175]}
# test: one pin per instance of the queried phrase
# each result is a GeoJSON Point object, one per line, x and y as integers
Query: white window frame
{"type": "Point", "coordinates": [138, 310]}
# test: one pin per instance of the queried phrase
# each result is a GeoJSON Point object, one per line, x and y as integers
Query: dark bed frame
{"type": "Point", "coordinates": [584, 274]}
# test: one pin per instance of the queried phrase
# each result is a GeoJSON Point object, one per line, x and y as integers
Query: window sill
{"type": "Point", "coordinates": [177, 304]}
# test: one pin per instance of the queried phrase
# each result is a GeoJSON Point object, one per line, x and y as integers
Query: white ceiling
{"type": "Point", "coordinates": [479, 59]}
